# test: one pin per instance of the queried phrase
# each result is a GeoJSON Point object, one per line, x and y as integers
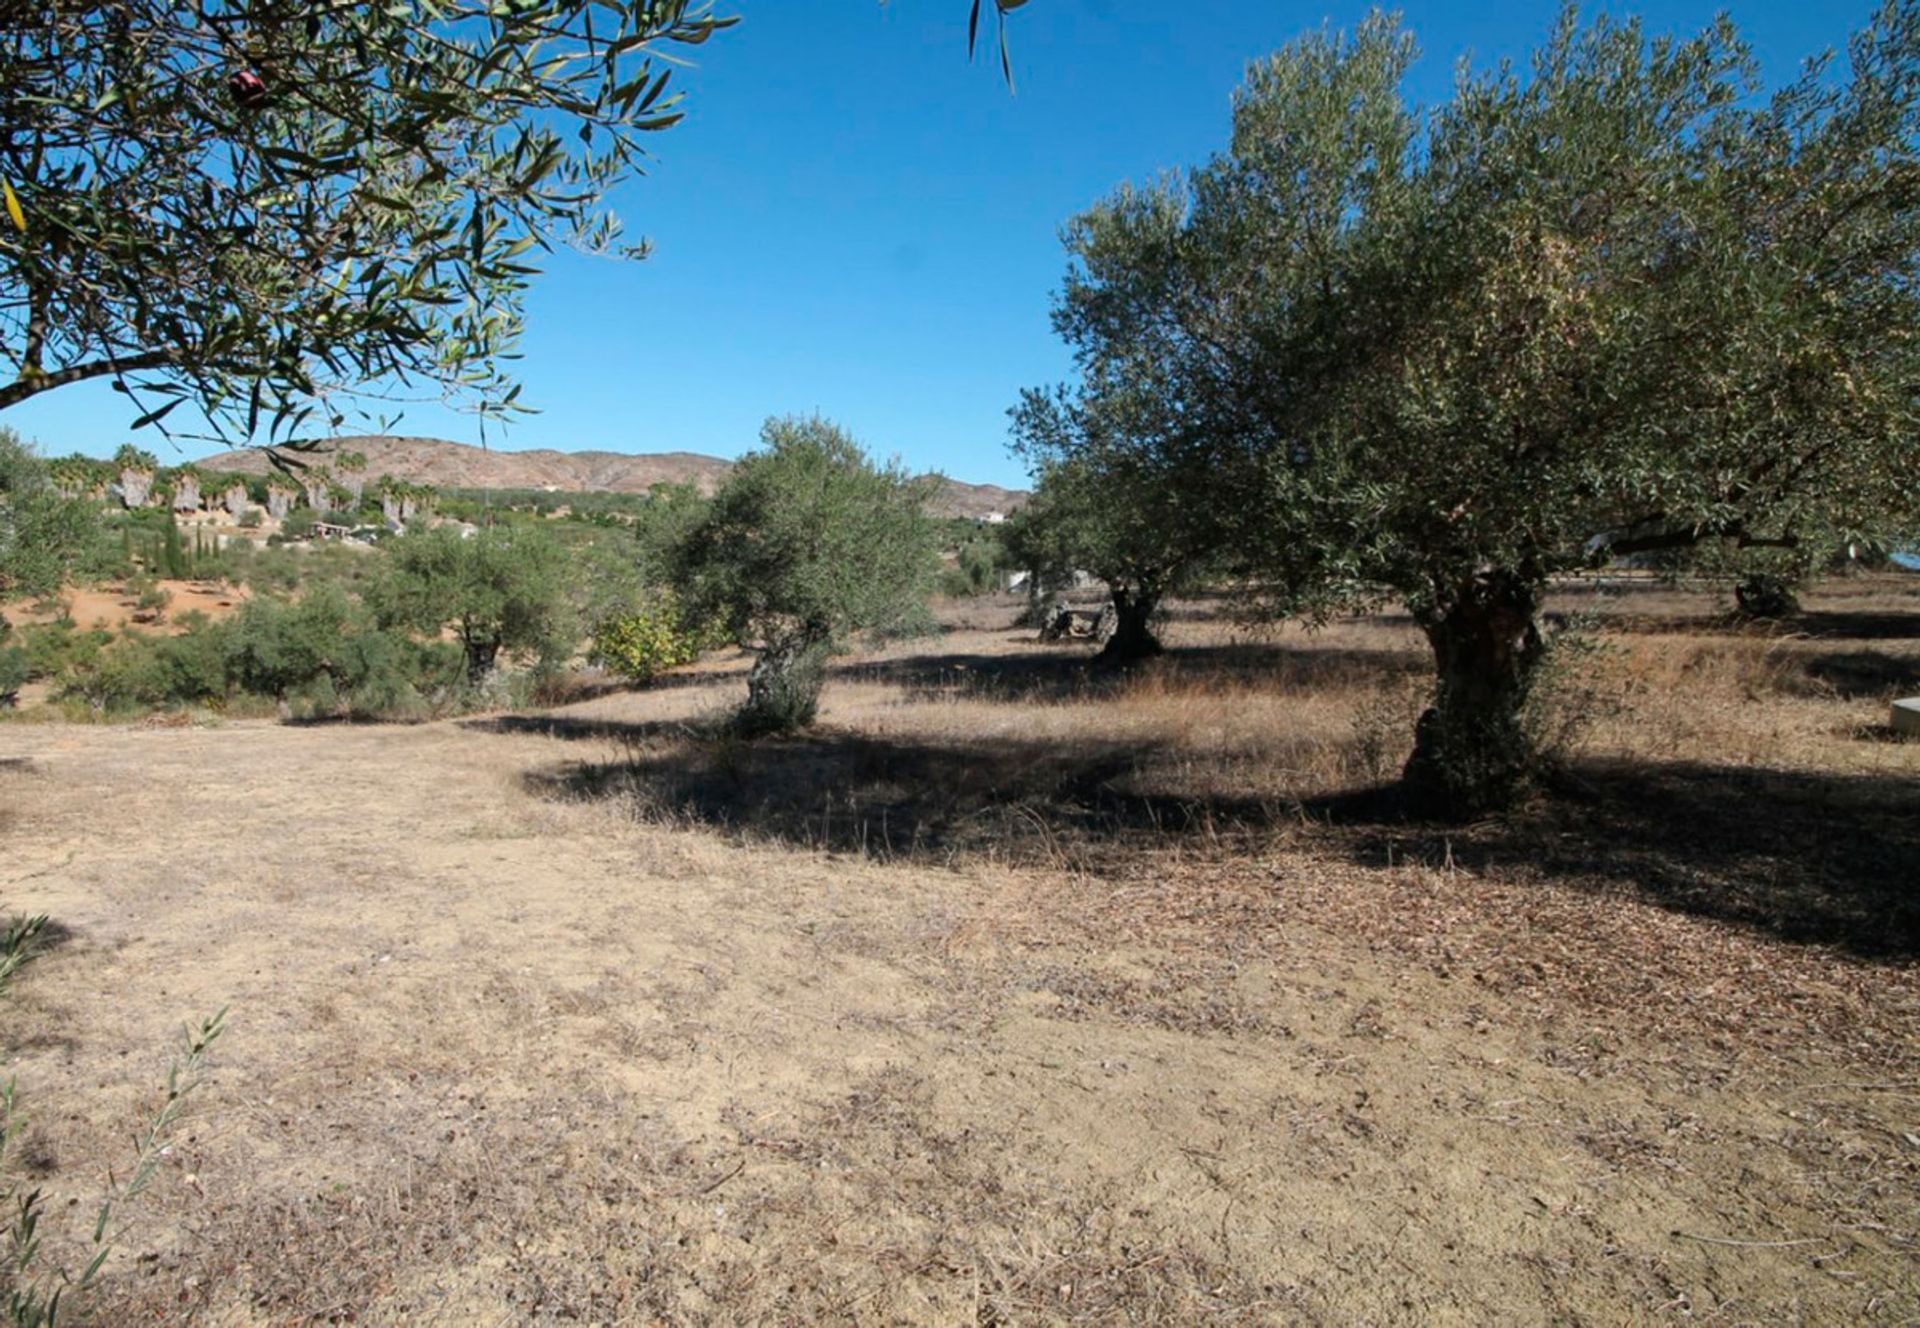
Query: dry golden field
{"type": "Point", "coordinates": [1013, 994]}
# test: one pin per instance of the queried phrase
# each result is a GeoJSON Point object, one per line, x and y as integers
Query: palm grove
{"type": "Point", "coordinates": [1611, 305]}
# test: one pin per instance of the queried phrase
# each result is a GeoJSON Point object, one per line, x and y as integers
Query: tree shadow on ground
{"type": "Point", "coordinates": [1855, 674]}
{"type": "Point", "coordinates": [1825, 624]}
{"type": "Point", "coordinates": [1026, 801]}
{"type": "Point", "coordinates": [582, 728]}
{"type": "Point", "coordinates": [1056, 673]}
{"type": "Point", "coordinates": [1860, 625]}
{"type": "Point", "coordinates": [1815, 858]}
{"type": "Point", "coordinates": [1807, 858]}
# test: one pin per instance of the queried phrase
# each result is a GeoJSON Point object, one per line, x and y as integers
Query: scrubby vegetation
{"type": "Point", "coordinates": [452, 615]}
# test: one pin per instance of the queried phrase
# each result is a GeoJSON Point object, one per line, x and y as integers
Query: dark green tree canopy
{"type": "Point", "coordinates": [262, 206]}
{"type": "Point", "coordinates": [1143, 519]}
{"type": "Point", "coordinates": [500, 588]}
{"type": "Point", "coordinates": [808, 536]}
{"type": "Point", "coordinates": [806, 542]}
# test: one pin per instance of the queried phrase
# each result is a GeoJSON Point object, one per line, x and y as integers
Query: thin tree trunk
{"type": "Point", "coordinates": [1472, 753]}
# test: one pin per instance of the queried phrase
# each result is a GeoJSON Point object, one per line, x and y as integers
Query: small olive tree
{"type": "Point", "coordinates": [806, 542]}
{"type": "Point", "coordinates": [502, 588]}
{"type": "Point", "coordinates": [1140, 519]}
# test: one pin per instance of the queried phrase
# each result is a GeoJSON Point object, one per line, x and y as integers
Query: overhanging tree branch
{"type": "Point", "coordinates": [31, 384]}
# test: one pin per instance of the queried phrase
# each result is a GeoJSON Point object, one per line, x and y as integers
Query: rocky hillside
{"type": "Point", "coordinates": [448, 465]}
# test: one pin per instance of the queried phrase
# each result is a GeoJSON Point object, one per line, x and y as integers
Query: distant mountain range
{"type": "Point", "coordinates": [449, 465]}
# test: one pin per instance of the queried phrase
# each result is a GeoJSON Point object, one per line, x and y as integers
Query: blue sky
{"type": "Point", "coordinates": [854, 220]}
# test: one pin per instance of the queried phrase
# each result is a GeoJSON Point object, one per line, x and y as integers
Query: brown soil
{"type": "Point", "coordinates": [1014, 994]}
{"type": "Point", "coordinates": [111, 607]}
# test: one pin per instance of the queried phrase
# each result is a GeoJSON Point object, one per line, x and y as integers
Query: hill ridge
{"type": "Point", "coordinates": [449, 465]}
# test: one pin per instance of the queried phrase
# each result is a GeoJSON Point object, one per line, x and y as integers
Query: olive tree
{"type": "Point", "coordinates": [501, 588]}
{"type": "Point", "coordinates": [262, 205]}
{"type": "Point", "coordinates": [1144, 519]}
{"type": "Point", "coordinates": [1609, 305]}
{"type": "Point", "coordinates": [45, 535]}
{"type": "Point", "coordinates": [806, 542]}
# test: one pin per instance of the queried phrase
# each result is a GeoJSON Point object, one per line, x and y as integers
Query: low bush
{"type": "Point", "coordinates": [646, 641]}
{"type": "Point", "coordinates": [54, 649]}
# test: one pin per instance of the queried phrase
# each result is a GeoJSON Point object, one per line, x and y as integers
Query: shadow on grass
{"type": "Point", "coordinates": [1034, 802]}
{"type": "Point", "coordinates": [1806, 857]}
{"type": "Point", "coordinates": [581, 728]}
{"type": "Point", "coordinates": [1060, 673]}
{"type": "Point", "coordinates": [1815, 858]}
{"type": "Point", "coordinates": [1821, 625]}
{"type": "Point", "coordinates": [1854, 674]}
{"type": "Point", "coordinates": [1826, 859]}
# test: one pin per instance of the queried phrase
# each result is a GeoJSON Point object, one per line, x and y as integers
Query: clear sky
{"type": "Point", "coordinates": [854, 220]}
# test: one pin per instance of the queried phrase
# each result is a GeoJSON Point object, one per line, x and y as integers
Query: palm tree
{"type": "Point", "coordinates": [186, 488]}
{"type": "Point", "coordinates": [317, 480]}
{"type": "Point", "coordinates": [136, 469]}
{"type": "Point", "coordinates": [392, 503]}
{"type": "Point", "coordinates": [72, 476]}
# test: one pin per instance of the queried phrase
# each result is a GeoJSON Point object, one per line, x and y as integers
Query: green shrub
{"type": "Point", "coordinates": [323, 656]}
{"type": "Point", "coordinates": [53, 648]}
{"type": "Point", "coordinates": [194, 663]}
{"type": "Point", "coordinates": [134, 671]}
{"type": "Point", "coordinates": [277, 648]}
{"type": "Point", "coordinates": [641, 644]}
{"type": "Point", "coordinates": [153, 599]}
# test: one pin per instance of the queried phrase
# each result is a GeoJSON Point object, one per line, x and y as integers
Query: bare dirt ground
{"type": "Point", "coordinates": [1014, 994]}
{"type": "Point", "coordinates": [112, 607]}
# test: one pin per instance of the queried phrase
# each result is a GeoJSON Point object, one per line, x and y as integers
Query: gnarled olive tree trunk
{"type": "Point", "coordinates": [483, 652]}
{"type": "Point", "coordinates": [1133, 637]}
{"type": "Point", "coordinates": [1472, 752]}
{"type": "Point", "coordinates": [1767, 595]}
{"type": "Point", "coordinates": [783, 687]}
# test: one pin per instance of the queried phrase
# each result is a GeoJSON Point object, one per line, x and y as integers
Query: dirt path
{"type": "Point", "coordinates": [499, 1058]}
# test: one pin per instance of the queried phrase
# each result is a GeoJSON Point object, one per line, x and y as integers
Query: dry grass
{"type": "Point", "coordinates": [1016, 993]}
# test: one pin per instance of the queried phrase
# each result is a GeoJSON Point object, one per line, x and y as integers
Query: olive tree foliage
{"type": "Point", "coordinates": [1609, 304]}
{"type": "Point", "coordinates": [261, 206]}
{"type": "Point", "coordinates": [502, 588]}
{"type": "Point", "coordinates": [807, 542]}
{"type": "Point", "coordinates": [45, 536]}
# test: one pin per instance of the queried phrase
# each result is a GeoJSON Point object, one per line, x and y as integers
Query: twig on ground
{"type": "Point", "coordinates": [1755, 1244]}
